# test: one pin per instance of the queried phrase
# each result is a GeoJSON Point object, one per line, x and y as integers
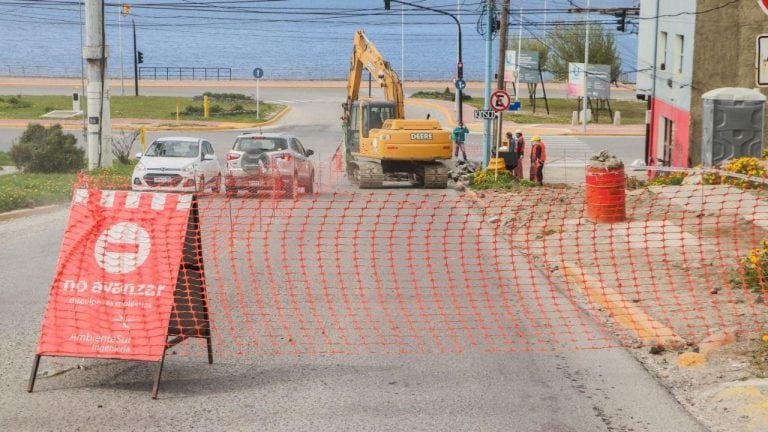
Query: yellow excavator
{"type": "Point", "coordinates": [380, 144]}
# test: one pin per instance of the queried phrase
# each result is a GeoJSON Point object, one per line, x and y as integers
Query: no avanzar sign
{"type": "Point", "coordinates": [114, 286]}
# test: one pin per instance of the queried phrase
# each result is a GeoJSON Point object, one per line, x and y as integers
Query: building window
{"type": "Point", "coordinates": [661, 55]}
{"type": "Point", "coordinates": [679, 51]}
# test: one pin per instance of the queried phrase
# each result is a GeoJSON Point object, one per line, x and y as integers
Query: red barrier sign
{"type": "Point", "coordinates": [114, 286]}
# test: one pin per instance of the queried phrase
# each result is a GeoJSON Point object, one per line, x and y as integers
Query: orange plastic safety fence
{"type": "Point", "coordinates": [417, 271]}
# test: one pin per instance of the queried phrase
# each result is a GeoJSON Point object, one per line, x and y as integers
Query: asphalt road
{"type": "Point", "coordinates": [474, 388]}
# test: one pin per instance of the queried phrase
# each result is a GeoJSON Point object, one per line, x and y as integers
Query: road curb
{"type": "Point", "coordinates": [13, 214]}
{"type": "Point", "coordinates": [22, 123]}
{"type": "Point", "coordinates": [629, 315]}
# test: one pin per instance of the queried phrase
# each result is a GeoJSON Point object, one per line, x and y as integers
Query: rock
{"type": "Point", "coordinates": [691, 359]}
{"type": "Point", "coordinates": [695, 179]}
{"type": "Point", "coordinates": [494, 219]}
{"type": "Point", "coordinates": [606, 161]}
{"type": "Point", "coordinates": [715, 341]}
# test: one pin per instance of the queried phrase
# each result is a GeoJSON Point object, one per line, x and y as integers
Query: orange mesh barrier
{"type": "Point", "coordinates": [418, 271]}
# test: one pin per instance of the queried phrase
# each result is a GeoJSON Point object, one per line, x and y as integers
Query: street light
{"type": "Point", "coordinates": [459, 63]}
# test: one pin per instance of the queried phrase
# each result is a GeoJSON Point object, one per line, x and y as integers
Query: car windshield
{"type": "Point", "coordinates": [173, 149]}
{"type": "Point", "coordinates": [260, 144]}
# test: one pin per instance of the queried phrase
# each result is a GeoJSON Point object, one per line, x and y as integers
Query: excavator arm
{"type": "Point", "coordinates": [365, 55]}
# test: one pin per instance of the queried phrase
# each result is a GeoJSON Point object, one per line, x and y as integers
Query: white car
{"type": "Point", "coordinates": [177, 164]}
{"type": "Point", "coordinates": [269, 161]}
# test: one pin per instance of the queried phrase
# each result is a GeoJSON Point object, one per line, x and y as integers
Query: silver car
{"type": "Point", "coordinates": [269, 161]}
{"type": "Point", "coordinates": [177, 164]}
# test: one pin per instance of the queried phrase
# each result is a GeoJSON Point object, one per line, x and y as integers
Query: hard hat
{"type": "Point", "coordinates": [535, 138]}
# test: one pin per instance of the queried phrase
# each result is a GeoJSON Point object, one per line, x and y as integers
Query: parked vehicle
{"type": "Point", "coordinates": [178, 164]}
{"type": "Point", "coordinates": [269, 161]}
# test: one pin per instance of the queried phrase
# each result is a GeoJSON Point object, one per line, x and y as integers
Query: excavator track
{"type": "Point", "coordinates": [370, 175]}
{"type": "Point", "coordinates": [435, 175]}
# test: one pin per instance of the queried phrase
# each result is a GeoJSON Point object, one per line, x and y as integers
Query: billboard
{"type": "Point", "coordinates": [529, 66]}
{"type": "Point", "coordinates": [598, 80]}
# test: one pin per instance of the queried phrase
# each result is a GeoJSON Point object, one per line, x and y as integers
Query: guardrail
{"type": "Point", "coordinates": [182, 73]}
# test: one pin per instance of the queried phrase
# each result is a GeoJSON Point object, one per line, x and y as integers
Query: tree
{"type": "Point", "coordinates": [567, 46]}
{"type": "Point", "coordinates": [47, 150]}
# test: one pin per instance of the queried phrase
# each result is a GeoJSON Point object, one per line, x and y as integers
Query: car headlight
{"type": "Point", "coordinates": [189, 169]}
{"type": "Point", "coordinates": [140, 167]}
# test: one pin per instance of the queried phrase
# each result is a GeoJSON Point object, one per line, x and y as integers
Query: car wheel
{"type": "Point", "coordinates": [291, 186]}
{"type": "Point", "coordinates": [310, 186]}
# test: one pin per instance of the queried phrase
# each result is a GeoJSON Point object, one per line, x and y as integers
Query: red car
{"type": "Point", "coordinates": [268, 162]}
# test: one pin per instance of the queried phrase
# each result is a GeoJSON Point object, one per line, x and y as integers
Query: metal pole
{"type": "Point", "coordinates": [82, 70]}
{"type": "Point", "coordinates": [120, 33]}
{"type": "Point", "coordinates": [586, 72]}
{"type": "Point", "coordinates": [257, 98]}
{"type": "Point", "coordinates": [519, 49]}
{"type": "Point", "coordinates": [488, 69]}
{"type": "Point", "coordinates": [500, 83]}
{"type": "Point", "coordinates": [135, 61]}
{"type": "Point", "coordinates": [402, 45]}
{"type": "Point", "coordinates": [652, 100]}
{"type": "Point", "coordinates": [460, 63]}
{"type": "Point", "coordinates": [457, 97]}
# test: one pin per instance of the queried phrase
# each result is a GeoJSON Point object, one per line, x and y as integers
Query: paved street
{"type": "Point", "coordinates": [567, 389]}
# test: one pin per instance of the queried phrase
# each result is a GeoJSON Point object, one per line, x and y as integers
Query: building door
{"type": "Point", "coordinates": [664, 147]}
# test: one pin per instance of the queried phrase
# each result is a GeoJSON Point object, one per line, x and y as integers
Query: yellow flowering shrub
{"type": "Point", "coordinates": [753, 269]}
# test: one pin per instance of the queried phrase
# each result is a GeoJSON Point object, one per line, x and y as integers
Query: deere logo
{"type": "Point", "coordinates": [421, 136]}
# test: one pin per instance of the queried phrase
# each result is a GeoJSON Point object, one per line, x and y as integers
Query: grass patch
{"type": "Point", "coordinates": [490, 179]}
{"type": "Point", "coordinates": [31, 190]}
{"type": "Point", "coordinates": [5, 159]}
{"type": "Point", "coordinates": [236, 109]}
{"type": "Point", "coordinates": [25, 190]}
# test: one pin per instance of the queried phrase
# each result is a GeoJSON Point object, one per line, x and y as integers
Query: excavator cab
{"type": "Point", "coordinates": [365, 116]}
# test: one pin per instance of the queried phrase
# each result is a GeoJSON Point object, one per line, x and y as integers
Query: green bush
{"type": "Point", "coordinates": [193, 110]}
{"type": "Point", "coordinates": [228, 96]}
{"type": "Point", "coordinates": [47, 150]}
{"type": "Point", "coordinates": [446, 94]}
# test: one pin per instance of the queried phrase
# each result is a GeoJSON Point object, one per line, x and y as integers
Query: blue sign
{"type": "Point", "coordinates": [515, 106]}
{"type": "Point", "coordinates": [460, 84]}
{"type": "Point", "coordinates": [258, 73]}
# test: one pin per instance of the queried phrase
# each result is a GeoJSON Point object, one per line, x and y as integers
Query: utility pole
{"type": "Point", "coordinates": [95, 54]}
{"type": "Point", "coordinates": [500, 83]}
{"type": "Point", "coordinates": [489, 23]}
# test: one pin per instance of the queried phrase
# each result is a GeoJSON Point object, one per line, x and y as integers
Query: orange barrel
{"type": "Point", "coordinates": [606, 195]}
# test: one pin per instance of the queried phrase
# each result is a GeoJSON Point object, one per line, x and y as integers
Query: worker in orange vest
{"type": "Point", "coordinates": [538, 157]}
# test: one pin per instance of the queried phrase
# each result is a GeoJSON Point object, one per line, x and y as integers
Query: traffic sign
{"type": "Point", "coordinates": [500, 100]}
{"type": "Point", "coordinates": [258, 73]}
{"type": "Point", "coordinates": [460, 84]}
{"type": "Point", "coordinates": [763, 4]}
{"type": "Point", "coordinates": [485, 114]}
{"type": "Point", "coordinates": [515, 106]}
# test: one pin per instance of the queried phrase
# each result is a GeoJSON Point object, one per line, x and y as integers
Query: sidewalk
{"type": "Point", "coordinates": [447, 107]}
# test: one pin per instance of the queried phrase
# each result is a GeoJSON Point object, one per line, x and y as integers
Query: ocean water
{"type": "Point", "coordinates": [287, 39]}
